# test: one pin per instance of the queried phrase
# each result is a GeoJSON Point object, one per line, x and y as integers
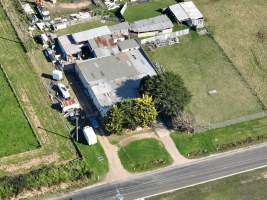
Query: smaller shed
{"type": "Point", "coordinates": [187, 12]}
{"type": "Point", "coordinates": [151, 26]}
{"type": "Point", "coordinates": [90, 135]}
{"type": "Point", "coordinates": [91, 34]}
{"type": "Point", "coordinates": [128, 45]}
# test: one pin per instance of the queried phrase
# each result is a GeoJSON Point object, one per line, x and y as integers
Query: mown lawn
{"type": "Point", "coordinates": [15, 131]}
{"type": "Point", "coordinates": [142, 155]}
{"type": "Point", "coordinates": [146, 10]}
{"type": "Point", "coordinates": [243, 40]}
{"type": "Point", "coordinates": [204, 67]}
{"type": "Point", "coordinates": [248, 186]}
{"type": "Point", "coordinates": [221, 139]}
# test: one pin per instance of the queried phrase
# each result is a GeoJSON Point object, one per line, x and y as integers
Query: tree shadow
{"type": "Point", "coordinates": [128, 89]}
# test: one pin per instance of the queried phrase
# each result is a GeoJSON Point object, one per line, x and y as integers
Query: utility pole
{"type": "Point", "coordinates": [76, 113]}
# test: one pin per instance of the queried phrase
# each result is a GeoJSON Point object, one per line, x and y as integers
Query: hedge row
{"type": "Point", "coordinates": [45, 177]}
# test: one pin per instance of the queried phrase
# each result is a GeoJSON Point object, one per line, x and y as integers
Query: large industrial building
{"type": "Point", "coordinates": [114, 78]}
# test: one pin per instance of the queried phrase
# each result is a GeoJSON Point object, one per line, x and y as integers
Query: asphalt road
{"type": "Point", "coordinates": [177, 177]}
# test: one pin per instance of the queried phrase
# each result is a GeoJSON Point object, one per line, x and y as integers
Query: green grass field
{"type": "Point", "coordinates": [204, 67]}
{"type": "Point", "coordinates": [16, 133]}
{"type": "Point", "coordinates": [146, 10]}
{"type": "Point", "coordinates": [222, 139]}
{"type": "Point", "coordinates": [33, 96]}
{"type": "Point", "coordinates": [248, 186]}
{"type": "Point", "coordinates": [142, 155]}
{"type": "Point", "coordinates": [243, 40]}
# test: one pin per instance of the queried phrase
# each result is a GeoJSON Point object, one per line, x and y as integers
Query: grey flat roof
{"type": "Point", "coordinates": [179, 12]}
{"type": "Point", "coordinates": [186, 10]}
{"type": "Point", "coordinates": [118, 27]}
{"type": "Point", "coordinates": [161, 22]}
{"type": "Point", "coordinates": [108, 68]}
{"type": "Point", "coordinates": [90, 34]}
{"type": "Point", "coordinates": [128, 44]}
{"type": "Point", "coordinates": [191, 9]}
{"type": "Point", "coordinates": [115, 78]}
{"type": "Point", "coordinates": [69, 47]}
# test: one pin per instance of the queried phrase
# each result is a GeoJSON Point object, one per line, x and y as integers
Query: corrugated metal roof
{"type": "Point", "coordinates": [128, 44]}
{"type": "Point", "coordinates": [119, 27]}
{"type": "Point", "coordinates": [179, 12]}
{"type": "Point", "coordinates": [185, 10]}
{"type": "Point", "coordinates": [158, 23]}
{"type": "Point", "coordinates": [68, 46]}
{"type": "Point", "coordinates": [90, 34]}
{"type": "Point", "coordinates": [191, 9]}
{"type": "Point", "coordinates": [115, 78]}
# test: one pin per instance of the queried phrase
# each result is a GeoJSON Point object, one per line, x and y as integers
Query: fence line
{"type": "Point", "coordinates": [166, 36]}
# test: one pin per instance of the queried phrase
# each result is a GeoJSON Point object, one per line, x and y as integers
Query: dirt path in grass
{"type": "Point", "coordinates": [116, 170]}
{"type": "Point", "coordinates": [24, 165]}
{"type": "Point", "coordinates": [130, 139]}
{"type": "Point", "coordinates": [42, 135]}
{"type": "Point", "coordinates": [164, 136]}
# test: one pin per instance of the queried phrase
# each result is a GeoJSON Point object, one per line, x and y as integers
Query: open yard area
{"type": "Point", "coordinates": [83, 27]}
{"type": "Point", "coordinates": [248, 186]}
{"type": "Point", "coordinates": [146, 10]}
{"type": "Point", "coordinates": [240, 28]}
{"type": "Point", "coordinates": [222, 139]}
{"type": "Point", "coordinates": [204, 67]}
{"type": "Point", "coordinates": [16, 133]}
{"type": "Point", "coordinates": [142, 155]}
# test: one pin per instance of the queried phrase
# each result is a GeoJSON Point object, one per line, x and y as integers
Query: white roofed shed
{"type": "Point", "coordinates": [91, 34]}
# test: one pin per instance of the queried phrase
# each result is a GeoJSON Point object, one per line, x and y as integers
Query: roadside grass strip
{"type": "Point", "coordinates": [222, 139]}
{"type": "Point", "coordinates": [247, 186]}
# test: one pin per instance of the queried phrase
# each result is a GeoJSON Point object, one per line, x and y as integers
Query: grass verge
{"type": "Point", "coordinates": [247, 186]}
{"type": "Point", "coordinates": [88, 170]}
{"type": "Point", "coordinates": [222, 139]}
{"type": "Point", "coordinates": [143, 155]}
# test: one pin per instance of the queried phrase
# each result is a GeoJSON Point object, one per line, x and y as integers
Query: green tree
{"type": "Point", "coordinates": [139, 112]}
{"type": "Point", "coordinates": [168, 92]}
{"type": "Point", "coordinates": [113, 121]}
{"type": "Point", "coordinates": [130, 114]}
{"type": "Point", "coordinates": [145, 111]}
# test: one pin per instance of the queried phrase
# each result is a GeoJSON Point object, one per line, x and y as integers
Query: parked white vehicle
{"type": "Point", "coordinates": [63, 91]}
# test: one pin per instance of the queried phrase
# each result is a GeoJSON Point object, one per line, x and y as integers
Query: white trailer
{"type": "Point", "coordinates": [90, 135]}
